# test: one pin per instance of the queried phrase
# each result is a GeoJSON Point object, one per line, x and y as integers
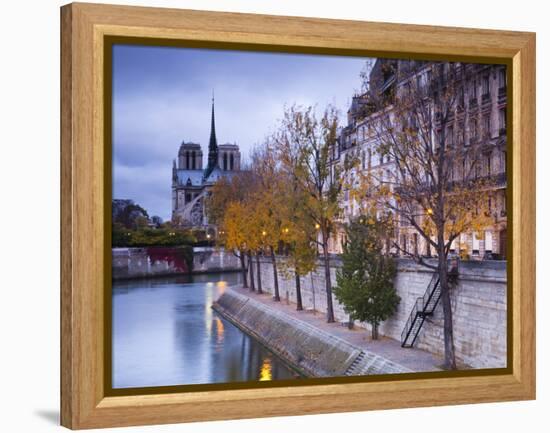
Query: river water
{"type": "Point", "coordinates": [166, 333]}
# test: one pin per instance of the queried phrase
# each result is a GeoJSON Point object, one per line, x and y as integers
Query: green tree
{"type": "Point", "coordinates": [364, 285]}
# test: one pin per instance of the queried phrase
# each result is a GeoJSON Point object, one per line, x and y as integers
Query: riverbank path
{"type": "Point", "coordinates": [415, 359]}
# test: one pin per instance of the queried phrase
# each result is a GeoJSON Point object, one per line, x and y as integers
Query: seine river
{"type": "Point", "coordinates": [165, 333]}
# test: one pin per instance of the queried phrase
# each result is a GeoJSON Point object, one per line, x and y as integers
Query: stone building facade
{"type": "Point", "coordinates": [479, 118]}
{"type": "Point", "coordinates": [191, 183]}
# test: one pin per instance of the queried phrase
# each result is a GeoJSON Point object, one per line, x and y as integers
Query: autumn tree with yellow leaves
{"type": "Point", "coordinates": [304, 141]}
{"type": "Point", "coordinates": [269, 199]}
{"type": "Point", "coordinates": [299, 235]}
{"type": "Point", "coordinates": [437, 183]}
{"type": "Point", "coordinates": [228, 207]}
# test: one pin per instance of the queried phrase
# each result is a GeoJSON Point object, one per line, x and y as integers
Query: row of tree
{"type": "Point", "coordinates": [286, 202]}
{"type": "Point", "coordinates": [290, 199]}
{"type": "Point", "coordinates": [289, 202]}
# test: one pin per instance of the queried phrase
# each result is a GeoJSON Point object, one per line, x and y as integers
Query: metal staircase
{"type": "Point", "coordinates": [423, 307]}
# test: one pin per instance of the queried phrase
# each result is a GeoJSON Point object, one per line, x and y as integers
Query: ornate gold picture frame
{"type": "Point", "coordinates": [88, 32]}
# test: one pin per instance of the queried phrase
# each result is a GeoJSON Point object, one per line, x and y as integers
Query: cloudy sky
{"type": "Point", "coordinates": [162, 96]}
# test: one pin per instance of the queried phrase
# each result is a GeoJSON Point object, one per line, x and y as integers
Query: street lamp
{"type": "Point", "coordinates": [317, 226]}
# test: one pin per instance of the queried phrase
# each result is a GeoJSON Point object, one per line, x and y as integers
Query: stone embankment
{"type": "Point", "coordinates": [479, 303]}
{"type": "Point", "coordinates": [310, 350]}
{"type": "Point", "coordinates": [163, 261]}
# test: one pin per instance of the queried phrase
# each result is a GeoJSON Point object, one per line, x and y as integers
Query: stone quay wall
{"type": "Point", "coordinates": [163, 261]}
{"type": "Point", "coordinates": [309, 350]}
{"type": "Point", "coordinates": [208, 259]}
{"type": "Point", "coordinates": [479, 304]}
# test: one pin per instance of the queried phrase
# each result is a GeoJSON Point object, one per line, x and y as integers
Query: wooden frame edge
{"type": "Point", "coordinates": [83, 404]}
{"type": "Point", "coordinates": [68, 390]}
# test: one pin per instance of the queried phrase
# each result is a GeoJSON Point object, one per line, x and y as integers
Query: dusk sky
{"type": "Point", "coordinates": [162, 96]}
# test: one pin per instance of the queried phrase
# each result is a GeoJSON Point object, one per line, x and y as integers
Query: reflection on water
{"type": "Point", "coordinates": [265, 371]}
{"type": "Point", "coordinates": [165, 333]}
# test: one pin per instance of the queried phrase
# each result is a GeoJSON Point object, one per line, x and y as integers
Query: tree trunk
{"type": "Point", "coordinates": [374, 329]}
{"type": "Point", "coordinates": [328, 285]}
{"type": "Point", "coordinates": [243, 269]}
{"type": "Point", "coordinates": [350, 322]}
{"type": "Point", "coordinates": [251, 269]}
{"type": "Point", "coordinates": [259, 273]}
{"type": "Point", "coordinates": [450, 362]}
{"type": "Point", "coordinates": [299, 306]}
{"type": "Point", "coordinates": [276, 296]}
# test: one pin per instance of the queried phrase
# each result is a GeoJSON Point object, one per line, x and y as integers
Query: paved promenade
{"type": "Point", "coordinates": [415, 359]}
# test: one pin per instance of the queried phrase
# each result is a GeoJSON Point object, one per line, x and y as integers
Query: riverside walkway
{"type": "Point", "coordinates": [416, 360]}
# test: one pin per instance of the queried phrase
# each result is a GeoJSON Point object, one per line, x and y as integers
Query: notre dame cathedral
{"type": "Point", "coordinates": [191, 183]}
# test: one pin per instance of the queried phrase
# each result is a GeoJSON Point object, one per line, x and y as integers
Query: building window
{"type": "Point", "coordinates": [187, 197]}
{"type": "Point", "coordinates": [489, 170]}
{"type": "Point", "coordinates": [488, 241]}
{"type": "Point", "coordinates": [461, 97]}
{"type": "Point", "coordinates": [502, 78]}
{"type": "Point", "coordinates": [193, 160]}
{"type": "Point", "coordinates": [231, 162]}
{"type": "Point", "coordinates": [487, 125]}
{"type": "Point", "coordinates": [225, 161]}
{"type": "Point", "coordinates": [475, 244]}
{"type": "Point", "coordinates": [473, 130]}
{"type": "Point", "coordinates": [502, 121]}
{"type": "Point", "coordinates": [485, 85]}
{"type": "Point", "coordinates": [460, 135]}
{"type": "Point", "coordinates": [450, 137]}
{"type": "Point", "coordinates": [473, 91]}
{"type": "Point", "coordinates": [187, 160]}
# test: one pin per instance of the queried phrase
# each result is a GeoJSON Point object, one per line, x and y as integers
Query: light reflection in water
{"type": "Point", "coordinates": [265, 372]}
{"type": "Point", "coordinates": [166, 333]}
{"type": "Point", "coordinates": [219, 330]}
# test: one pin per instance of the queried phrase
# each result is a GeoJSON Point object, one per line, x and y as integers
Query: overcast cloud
{"type": "Point", "coordinates": [162, 96]}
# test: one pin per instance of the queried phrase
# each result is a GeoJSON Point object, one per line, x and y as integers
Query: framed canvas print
{"type": "Point", "coordinates": [320, 215]}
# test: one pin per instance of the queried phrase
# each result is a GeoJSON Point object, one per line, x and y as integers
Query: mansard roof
{"type": "Point", "coordinates": [218, 173]}
{"type": "Point", "coordinates": [195, 176]}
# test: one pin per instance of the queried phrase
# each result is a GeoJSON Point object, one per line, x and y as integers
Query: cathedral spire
{"type": "Point", "coordinates": [212, 145]}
